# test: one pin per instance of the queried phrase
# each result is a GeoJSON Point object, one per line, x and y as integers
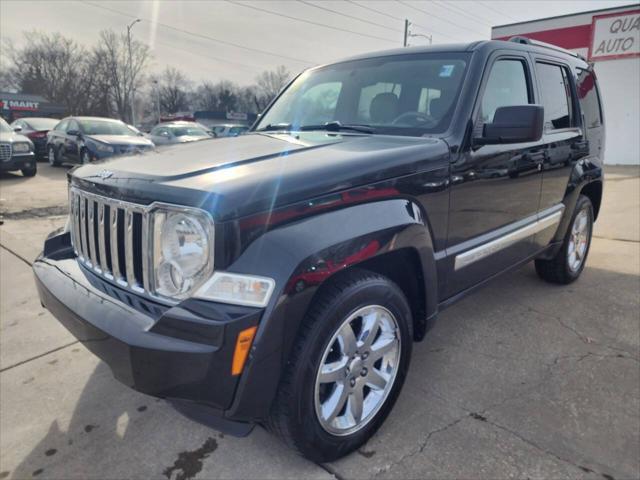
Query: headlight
{"type": "Point", "coordinates": [182, 251]}
{"type": "Point", "coordinates": [21, 147]}
{"type": "Point", "coordinates": [103, 147]}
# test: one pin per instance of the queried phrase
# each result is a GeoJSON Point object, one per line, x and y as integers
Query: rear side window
{"type": "Point", "coordinates": [589, 98]}
{"type": "Point", "coordinates": [555, 91]}
{"type": "Point", "coordinates": [507, 86]}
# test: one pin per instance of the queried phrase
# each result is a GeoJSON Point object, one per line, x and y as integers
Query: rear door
{"type": "Point", "coordinates": [495, 189]}
{"type": "Point", "coordinates": [565, 143]}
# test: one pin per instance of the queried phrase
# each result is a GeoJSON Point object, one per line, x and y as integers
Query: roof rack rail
{"type": "Point", "coordinates": [530, 41]}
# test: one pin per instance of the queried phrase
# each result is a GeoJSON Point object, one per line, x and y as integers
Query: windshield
{"type": "Point", "coordinates": [188, 132]}
{"type": "Point", "coordinates": [104, 127]}
{"type": "Point", "coordinates": [4, 126]}
{"type": "Point", "coordinates": [42, 123]}
{"type": "Point", "coordinates": [398, 95]}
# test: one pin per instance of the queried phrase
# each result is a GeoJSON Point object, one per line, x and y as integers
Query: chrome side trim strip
{"type": "Point", "coordinates": [478, 253]}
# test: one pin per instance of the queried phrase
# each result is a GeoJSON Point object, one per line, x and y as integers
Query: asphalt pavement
{"type": "Point", "coordinates": [522, 379]}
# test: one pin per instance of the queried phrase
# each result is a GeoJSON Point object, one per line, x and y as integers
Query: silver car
{"type": "Point", "coordinates": [177, 132]}
{"type": "Point", "coordinates": [16, 151]}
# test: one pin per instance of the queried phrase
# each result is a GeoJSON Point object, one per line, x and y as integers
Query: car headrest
{"type": "Point", "coordinates": [384, 108]}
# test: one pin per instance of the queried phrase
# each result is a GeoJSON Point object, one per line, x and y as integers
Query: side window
{"type": "Point", "coordinates": [507, 86]}
{"type": "Point", "coordinates": [555, 92]}
{"type": "Point", "coordinates": [318, 104]}
{"type": "Point", "coordinates": [428, 95]}
{"type": "Point", "coordinates": [62, 126]}
{"type": "Point", "coordinates": [73, 125]}
{"type": "Point", "coordinates": [589, 98]}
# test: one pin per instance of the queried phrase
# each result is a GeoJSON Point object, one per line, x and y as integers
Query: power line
{"type": "Point", "coordinates": [264, 10]}
{"type": "Point", "coordinates": [497, 11]}
{"type": "Point", "coordinates": [431, 14]}
{"type": "Point", "coordinates": [380, 12]}
{"type": "Point", "coordinates": [460, 11]}
{"type": "Point", "coordinates": [199, 35]}
{"type": "Point", "coordinates": [349, 16]}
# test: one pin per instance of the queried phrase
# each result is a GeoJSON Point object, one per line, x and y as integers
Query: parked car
{"type": "Point", "coordinates": [281, 277]}
{"type": "Point", "coordinates": [230, 130]}
{"type": "Point", "coordinates": [178, 132]}
{"type": "Point", "coordinates": [16, 151]}
{"type": "Point", "coordinates": [84, 139]}
{"type": "Point", "coordinates": [36, 129]}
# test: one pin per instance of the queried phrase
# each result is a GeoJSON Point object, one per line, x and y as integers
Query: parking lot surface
{"type": "Point", "coordinates": [522, 379]}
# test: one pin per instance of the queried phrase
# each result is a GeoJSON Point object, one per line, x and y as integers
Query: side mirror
{"type": "Point", "coordinates": [17, 129]}
{"type": "Point", "coordinates": [74, 133]}
{"type": "Point", "coordinates": [513, 124]}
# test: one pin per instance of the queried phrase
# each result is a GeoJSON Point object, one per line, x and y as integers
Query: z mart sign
{"type": "Point", "coordinates": [616, 35]}
{"type": "Point", "coordinates": [19, 105]}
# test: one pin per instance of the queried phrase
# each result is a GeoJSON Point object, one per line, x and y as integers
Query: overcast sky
{"type": "Point", "coordinates": [190, 35]}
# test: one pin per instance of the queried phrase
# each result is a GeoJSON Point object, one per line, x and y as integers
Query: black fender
{"type": "Point", "coordinates": [332, 241]}
{"type": "Point", "coordinates": [587, 177]}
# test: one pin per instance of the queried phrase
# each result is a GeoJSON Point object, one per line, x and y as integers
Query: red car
{"type": "Point", "coordinates": [36, 129]}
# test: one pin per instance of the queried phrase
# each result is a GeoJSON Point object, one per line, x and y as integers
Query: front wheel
{"type": "Point", "coordinates": [85, 157]}
{"type": "Point", "coordinates": [52, 156]}
{"type": "Point", "coordinates": [347, 367]}
{"type": "Point", "coordinates": [30, 171]}
{"type": "Point", "coordinates": [568, 263]}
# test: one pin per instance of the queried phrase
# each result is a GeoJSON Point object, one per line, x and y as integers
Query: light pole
{"type": "Point", "coordinates": [130, 69]}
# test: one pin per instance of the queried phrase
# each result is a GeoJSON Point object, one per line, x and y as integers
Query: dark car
{"type": "Point", "coordinates": [281, 277]}
{"type": "Point", "coordinates": [36, 129]}
{"type": "Point", "coordinates": [84, 139]}
{"type": "Point", "coordinates": [171, 133]}
{"type": "Point", "coordinates": [16, 151]}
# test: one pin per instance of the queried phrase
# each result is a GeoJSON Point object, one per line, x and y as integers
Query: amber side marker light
{"type": "Point", "coordinates": [243, 344]}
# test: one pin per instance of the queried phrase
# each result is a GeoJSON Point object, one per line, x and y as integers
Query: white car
{"type": "Point", "coordinates": [177, 132]}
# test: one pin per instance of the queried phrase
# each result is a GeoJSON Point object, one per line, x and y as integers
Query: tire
{"type": "Point", "coordinates": [30, 171]}
{"type": "Point", "coordinates": [567, 266]}
{"type": "Point", "coordinates": [85, 156]}
{"type": "Point", "coordinates": [53, 156]}
{"type": "Point", "coordinates": [297, 410]}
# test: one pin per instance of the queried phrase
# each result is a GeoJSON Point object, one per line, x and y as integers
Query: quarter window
{"type": "Point", "coordinates": [589, 98]}
{"type": "Point", "coordinates": [507, 86]}
{"type": "Point", "coordinates": [555, 92]}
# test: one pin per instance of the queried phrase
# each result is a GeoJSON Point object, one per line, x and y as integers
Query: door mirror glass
{"type": "Point", "coordinates": [513, 124]}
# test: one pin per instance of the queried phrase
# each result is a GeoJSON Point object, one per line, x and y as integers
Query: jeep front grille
{"type": "Point", "coordinates": [110, 237]}
{"type": "Point", "coordinates": [5, 152]}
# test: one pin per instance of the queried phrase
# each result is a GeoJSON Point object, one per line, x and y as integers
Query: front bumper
{"type": "Point", "coordinates": [18, 162]}
{"type": "Point", "coordinates": [182, 352]}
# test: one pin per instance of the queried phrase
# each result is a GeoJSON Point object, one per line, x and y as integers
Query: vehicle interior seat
{"type": "Point", "coordinates": [384, 108]}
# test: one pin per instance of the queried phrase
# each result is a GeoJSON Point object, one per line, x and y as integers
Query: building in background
{"type": "Point", "coordinates": [610, 39]}
{"type": "Point", "coordinates": [19, 105]}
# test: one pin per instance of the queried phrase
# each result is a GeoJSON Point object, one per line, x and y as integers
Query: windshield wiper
{"type": "Point", "coordinates": [275, 126]}
{"type": "Point", "coordinates": [336, 126]}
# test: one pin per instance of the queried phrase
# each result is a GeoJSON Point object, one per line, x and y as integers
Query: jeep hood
{"type": "Point", "coordinates": [238, 176]}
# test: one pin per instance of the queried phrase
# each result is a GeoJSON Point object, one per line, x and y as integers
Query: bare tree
{"type": "Point", "coordinates": [222, 96]}
{"type": "Point", "coordinates": [174, 90]}
{"type": "Point", "coordinates": [269, 84]}
{"type": "Point", "coordinates": [125, 75]}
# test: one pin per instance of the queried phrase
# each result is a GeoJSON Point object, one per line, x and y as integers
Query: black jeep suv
{"type": "Point", "coordinates": [282, 276]}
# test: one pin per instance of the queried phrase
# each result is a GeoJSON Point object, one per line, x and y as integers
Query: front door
{"type": "Point", "coordinates": [495, 189]}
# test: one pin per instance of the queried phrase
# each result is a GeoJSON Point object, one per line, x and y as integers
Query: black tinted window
{"type": "Point", "coordinates": [589, 98]}
{"type": "Point", "coordinates": [555, 94]}
{"type": "Point", "coordinates": [507, 86]}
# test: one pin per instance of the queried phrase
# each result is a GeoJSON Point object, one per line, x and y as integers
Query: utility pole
{"type": "Point", "coordinates": [157, 89]}
{"type": "Point", "coordinates": [406, 32]}
{"type": "Point", "coordinates": [129, 80]}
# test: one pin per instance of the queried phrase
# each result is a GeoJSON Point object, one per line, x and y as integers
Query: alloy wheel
{"type": "Point", "coordinates": [357, 371]}
{"type": "Point", "coordinates": [579, 240]}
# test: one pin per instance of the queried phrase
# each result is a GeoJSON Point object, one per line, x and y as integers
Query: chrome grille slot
{"type": "Point", "coordinates": [5, 152]}
{"type": "Point", "coordinates": [111, 238]}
